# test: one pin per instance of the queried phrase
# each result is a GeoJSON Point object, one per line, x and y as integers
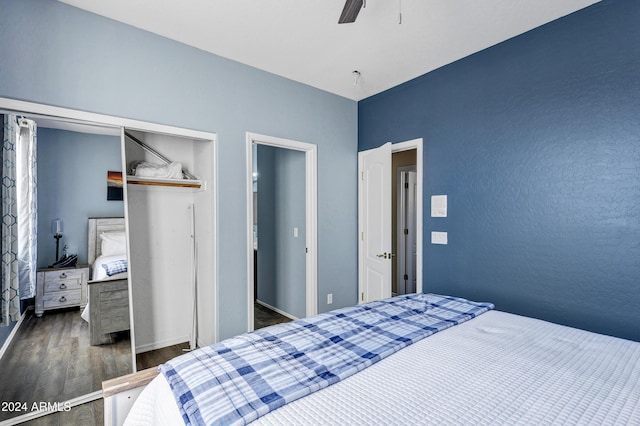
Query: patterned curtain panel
{"type": "Point", "coordinates": [19, 215]}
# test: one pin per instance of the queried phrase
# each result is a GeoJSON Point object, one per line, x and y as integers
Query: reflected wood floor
{"type": "Point", "coordinates": [92, 413]}
{"type": "Point", "coordinates": [156, 357]}
{"type": "Point", "coordinates": [89, 414]}
{"type": "Point", "coordinates": [50, 359]}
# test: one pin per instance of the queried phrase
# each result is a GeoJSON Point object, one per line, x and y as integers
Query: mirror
{"type": "Point", "coordinates": [64, 364]}
{"type": "Point", "coordinates": [53, 354]}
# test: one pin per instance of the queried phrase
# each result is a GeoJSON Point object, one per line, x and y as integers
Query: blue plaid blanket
{"type": "Point", "coordinates": [242, 378]}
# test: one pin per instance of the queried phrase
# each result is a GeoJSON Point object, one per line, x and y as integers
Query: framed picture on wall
{"type": "Point", "coordinates": [114, 186]}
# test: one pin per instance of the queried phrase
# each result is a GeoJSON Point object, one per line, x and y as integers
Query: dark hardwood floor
{"type": "Point", "coordinates": [264, 317]}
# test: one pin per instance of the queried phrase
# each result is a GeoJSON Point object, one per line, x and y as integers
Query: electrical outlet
{"type": "Point", "coordinates": [329, 298]}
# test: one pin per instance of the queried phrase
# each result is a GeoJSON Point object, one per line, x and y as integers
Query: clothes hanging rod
{"type": "Point", "coordinates": [156, 153]}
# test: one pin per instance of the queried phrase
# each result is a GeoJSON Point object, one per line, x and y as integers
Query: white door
{"type": "Point", "coordinates": [374, 192]}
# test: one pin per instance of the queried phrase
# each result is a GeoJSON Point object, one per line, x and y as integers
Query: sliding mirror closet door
{"type": "Point", "coordinates": [49, 356]}
{"type": "Point", "coordinates": [170, 217]}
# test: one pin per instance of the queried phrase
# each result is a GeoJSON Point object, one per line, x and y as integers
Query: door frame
{"type": "Point", "coordinates": [311, 217]}
{"type": "Point", "coordinates": [416, 144]}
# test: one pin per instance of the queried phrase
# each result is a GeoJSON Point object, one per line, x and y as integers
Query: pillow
{"type": "Point", "coordinates": [99, 272]}
{"type": "Point", "coordinates": [115, 267]}
{"type": "Point", "coordinates": [113, 243]}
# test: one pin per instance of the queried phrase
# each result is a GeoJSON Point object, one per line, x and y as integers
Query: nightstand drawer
{"type": "Point", "coordinates": [63, 275]}
{"type": "Point", "coordinates": [61, 299]}
{"type": "Point", "coordinates": [62, 285]}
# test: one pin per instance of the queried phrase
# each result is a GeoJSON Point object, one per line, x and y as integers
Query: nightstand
{"type": "Point", "coordinates": [61, 288]}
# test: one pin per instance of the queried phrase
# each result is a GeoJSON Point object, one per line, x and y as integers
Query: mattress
{"type": "Point", "coordinates": [498, 368]}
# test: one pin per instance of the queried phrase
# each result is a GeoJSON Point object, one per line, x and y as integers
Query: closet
{"type": "Point", "coordinates": [171, 239]}
{"type": "Point", "coordinates": [170, 227]}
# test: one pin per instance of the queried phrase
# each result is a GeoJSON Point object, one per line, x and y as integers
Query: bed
{"type": "Point", "coordinates": [108, 307]}
{"type": "Point", "coordinates": [492, 368]}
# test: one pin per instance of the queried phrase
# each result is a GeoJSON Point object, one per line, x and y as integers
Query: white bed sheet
{"type": "Point", "coordinates": [498, 368]}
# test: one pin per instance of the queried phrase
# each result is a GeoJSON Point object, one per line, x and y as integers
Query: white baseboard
{"type": "Point", "coordinates": [162, 344]}
{"type": "Point", "coordinates": [273, 308]}
{"type": "Point", "coordinates": [11, 335]}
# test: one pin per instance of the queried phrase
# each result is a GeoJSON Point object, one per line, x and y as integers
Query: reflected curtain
{"type": "Point", "coordinates": [19, 215]}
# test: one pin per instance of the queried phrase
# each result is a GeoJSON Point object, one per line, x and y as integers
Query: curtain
{"type": "Point", "coordinates": [19, 216]}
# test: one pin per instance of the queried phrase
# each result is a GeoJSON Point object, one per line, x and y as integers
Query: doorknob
{"type": "Point", "coordinates": [383, 255]}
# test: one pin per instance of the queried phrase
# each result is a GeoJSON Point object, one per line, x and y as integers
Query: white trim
{"type": "Point", "coordinates": [311, 197]}
{"type": "Point", "coordinates": [359, 236]}
{"type": "Point", "coordinates": [127, 229]}
{"type": "Point", "coordinates": [273, 308]}
{"type": "Point", "coordinates": [214, 248]}
{"type": "Point", "coordinates": [249, 228]}
{"type": "Point", "coordinates": [14, 331]}
{"type": "Point", "coordinates": [74, 402]}
{"type": "Point", "coordinates": [67, 114]}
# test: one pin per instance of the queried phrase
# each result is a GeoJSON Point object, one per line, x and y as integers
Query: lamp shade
{"type": "Point", "coordinates": [57, 226]}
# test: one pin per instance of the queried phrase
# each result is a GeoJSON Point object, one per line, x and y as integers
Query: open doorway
{"type": "Point", "coordinates": [403, 216]}
{"type": "Point", "coordinates": [377, 249]}
{"type": "Point", "coordinates": [281, 230]}
{"type": "Point", "coordinates": [278, 235]}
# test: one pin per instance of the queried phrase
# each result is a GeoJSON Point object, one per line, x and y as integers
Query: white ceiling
{"type": "Point", "coordinates": [302, 40]}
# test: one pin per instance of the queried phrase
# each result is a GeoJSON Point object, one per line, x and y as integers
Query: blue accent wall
{"type": "Point", "coordinates": [536, 142]}
{"type": "Point", "coordinates": [281, 207]}
{"type": "Point", "coordinates": [72, 185]}
{"type": "Point", "coordinates": [56, 54]}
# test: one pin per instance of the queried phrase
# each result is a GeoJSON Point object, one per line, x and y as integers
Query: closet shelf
{"type": "Point", "coordinates": [176, 183]}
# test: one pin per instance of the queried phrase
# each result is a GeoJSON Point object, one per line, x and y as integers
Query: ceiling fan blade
{"type": "Point", "coordinates": [350, 11]}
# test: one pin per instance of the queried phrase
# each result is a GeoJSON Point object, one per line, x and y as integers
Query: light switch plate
{"type": "Point", "coordinates": [438, 206]}
{"type": "Point", "coordinates": [439, 237]}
